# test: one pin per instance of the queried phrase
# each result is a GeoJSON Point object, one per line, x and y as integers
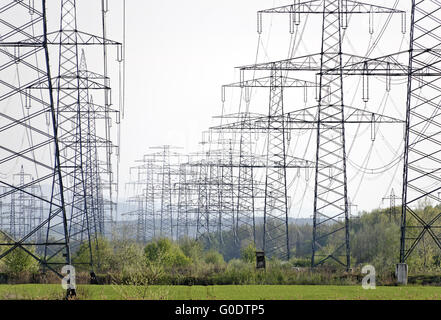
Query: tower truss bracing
{"type": "Point", "coordinates": [25, 57]}
{"type": "Point", "coordinates": [62, 173]}
{"type": "Point", "coordinates": [146, 195]}
{"type": "Point", "coordinates": [276, 235]}
{"type": "Point", "coordinates": [226, 183]}
{"type": "Point", "coordinates": [246, 192]}
{"type": "Point", "coordinates": [330, 196]}
{"type": "Point", "coordinates": [166, 159]}
{"type": "Point", "coordinates": [77, 122]}
{"type": "Point", "coordinates": [422, 145]}
{"type": "Point", "coordinates": [187, 202]}
{"type": "Point", "coordinates": [276, 240]}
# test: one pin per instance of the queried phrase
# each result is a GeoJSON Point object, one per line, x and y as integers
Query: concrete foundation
{"type": "Point", "coordinates": [401, 273]}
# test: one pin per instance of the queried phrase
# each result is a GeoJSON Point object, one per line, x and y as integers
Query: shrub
{"type": "Point", "coordinates": [248, 254]}
{"type": "Point", "coordinates": [192, 249]}
{"type": "Point", "coordinates": [166, 253]}
{"type": "Point", "coordinates": [102, 255]}
{"type": "Point", "coordinates": [128, 257]}
{"type": "Point", "coordinates": [236, 264]}
{"type": "Point", "coordinates": [19, 261]}
{"type": "Point", "coordinates": [300, 262]}
{"type": "Point", "coordinates": [214, 257]}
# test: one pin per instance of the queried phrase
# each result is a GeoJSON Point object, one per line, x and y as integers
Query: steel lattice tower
{"type": "Point", "coordinates": [150, 196]}
{"type": "Point", "coordinates": [227, 183]}
{"type": "Point", "coordinates": [392, 205]}
{"type": "Point", "coordinates": [166, 215]}
{"type": "Point", "coordinates": [25, 211]}
{"type": "Point", "coordinates": [77, 115]}
{"type": "Point", "coordinates": [24, 52]}
{"type": "Point", "coordinates": [275, 240]}
{"type": "Point", "coordinates": [185, 193]}
{"type": "Point", "coordinates": [146, 195]}
{"type": "Point", "coordinates": [422, 163]}
{"type": "Point", "coordinates": [246, 194]}
{"type": "Point", "coordinates": [72, 101]}
{"type": "Point", "coordinates": [214, 200]}
{"type": "Point", "coordinates": [203, 219]}
{"type": "Point", "coordinates": [165, 160]}
{"type": "Point", "coordinates": [94, 202]}
{"type": "Point", "coordinates": [276, 193]}
{"type": "Point", "coordinates": [187, 222]}
{"type": "Point", "coordinates": [139, 201]}
{"type": "Point", "coordinates": [330, 195]}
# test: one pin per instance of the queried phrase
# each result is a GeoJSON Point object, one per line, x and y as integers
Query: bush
{"type": "Point", "coordinates": [102, 255]}
{"type": "Point", "coordinates": [192, 249]}
{"type": "Point", "coordinates": [300, 262]}
{"type": "Point", "coordinates": [214, 257]}
{"type": "Point", "coordinates": [128, 257]}
{"type": "Point", "coordinates": [19, 261]}
{"type": "Point", "coordinates": [236, 264]}
{"type": "Point", "coordinates": [166, 253]}
{"type": "Point", "coordinates": [248, 254]}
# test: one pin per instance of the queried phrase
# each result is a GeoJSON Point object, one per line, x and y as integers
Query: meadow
{"type": "Point", "coordinates": [251, 292]}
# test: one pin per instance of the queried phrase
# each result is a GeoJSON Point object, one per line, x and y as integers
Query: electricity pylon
{"type": "Point", "coordinates": [392, 205]}
{"type": "Point", "coordinates": [330, 192]}
{"type": "Point", "coordinates": [25, 58]}
{"type": "Point", "coordinates": [72, 104]}
{"type": "Point", "coordinates": [144, 199]}
{"type": "Point", "coordinates": [25, 211]}
{"type": "Point", "coordinates": [55, 149]}
{"type": "Point", "coordinates": [276, 234]}
{"type": "Point", "coordinates": [76, 117]}
{"type": "Point", "coordinates": [165, 157]}
{"type": "Point", "coordinates": [422, 163]}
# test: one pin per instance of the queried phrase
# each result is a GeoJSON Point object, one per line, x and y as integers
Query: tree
{"type": "Point", "coordinates": [166, 253]}
{"type": "Point", "coordinates": [101, 254]}
{"type": "Point", "coordinates": [214, 257]}
{"type": "Point", "coordinates": [19, 261]}
{"type": "Point", "coordinates": [192, 249]}
{"type": "Point", "coordinates": [248, 254]}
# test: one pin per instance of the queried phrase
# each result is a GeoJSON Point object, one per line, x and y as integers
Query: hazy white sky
{"type": "Point", "coordinates": [179, 53]}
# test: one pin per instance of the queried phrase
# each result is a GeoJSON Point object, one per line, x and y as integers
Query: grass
{"type": "Point", "coordinates": [119, 292]}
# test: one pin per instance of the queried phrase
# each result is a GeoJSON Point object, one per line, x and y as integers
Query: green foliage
{"type": "Point", "coordinates": [375, 240]}
{"type": "Point", "coordinates": [128, 256]}
{"type": "Point", "coordinates": [117, 256]}
{"type": "Point", "coordinates": [19, 261]}
{"type": "Point", "coordinates": [248, 254]}
{"type": "Point", "coordinates": [237, 264]}
{"type": "Point", "coordinates": [166, 253]}
{"type": "Point", "coordinates": [192, 249]}
{"type": "Point", "coordinates": [102, 255]}
{"type": "Point", "coordinates": [214, 257]}
{"type": "Point", "coordinates": [300, 262]}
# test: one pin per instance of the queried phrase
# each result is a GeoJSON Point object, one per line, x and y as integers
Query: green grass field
{"type": "Point", "coordinates": [110, 292]}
